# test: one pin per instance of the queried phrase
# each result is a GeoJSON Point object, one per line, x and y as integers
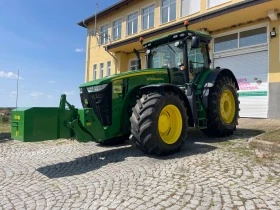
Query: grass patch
{"type": "Point", "coordinates": [268, 144]}
{"type": "Point", "coordinates": [271, 136]}
{"type": "Point", "coordinates": [225, 143]}
{"type": "Point", "coordinates": [242, 151]}
{"type": "Point", "coordinates": [5, 128]}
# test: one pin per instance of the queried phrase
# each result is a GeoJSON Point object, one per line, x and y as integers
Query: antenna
{"type": "Point", "coordinates": [95, 19]}
{"type": "Point", "coordinates": [17, 90]}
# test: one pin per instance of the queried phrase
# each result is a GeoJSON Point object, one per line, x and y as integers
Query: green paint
{"type": "Point", "coordinates": [199, 82]}
{"type": "Point", "coordinates": [122, 75]}
{"type": "Point", "coordinates": [39, 123]}
{"type": "Point", "coordinates": [252, 93]}
{"type": "Point", "coordinates": [125, 92]}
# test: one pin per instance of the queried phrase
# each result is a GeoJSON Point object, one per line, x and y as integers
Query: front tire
{"type": "Point", "coordinates": [223, 108]}
{"type": "Point", "coordinates": [159, 123]}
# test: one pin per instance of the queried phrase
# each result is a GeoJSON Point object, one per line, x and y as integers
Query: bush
{"type": "Point", "coordinates": [5, 119]}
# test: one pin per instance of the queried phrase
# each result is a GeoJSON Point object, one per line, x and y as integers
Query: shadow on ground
{"type": "Point", "coordinates": [195, 144]}
{"type": "Point", "coordinates": [95, 161]}
{"type": "Point", "coordinates": [5, 137]}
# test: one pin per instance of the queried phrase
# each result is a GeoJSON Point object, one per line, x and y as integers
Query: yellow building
{"type": "Point", "coordinates": [245, 40]}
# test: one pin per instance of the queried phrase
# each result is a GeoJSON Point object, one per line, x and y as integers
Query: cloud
{"type": "Point", "coordinates": [79, 50]}
{"type": "Point", "coordinates": [9, 75]}
{"type": "Point", "coordinates": [51, 81]}
{"type": "Point", "coordinates": [36, 94]}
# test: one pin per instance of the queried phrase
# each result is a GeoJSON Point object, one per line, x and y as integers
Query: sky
{"type": "Point", "coordinates": [41, 40]}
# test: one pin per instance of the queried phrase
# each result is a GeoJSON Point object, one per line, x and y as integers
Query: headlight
{"type": "Point", "coordinates": [96, 88]}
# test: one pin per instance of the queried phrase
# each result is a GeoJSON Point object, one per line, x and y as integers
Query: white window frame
{"type": "Point", "coordinates": [94, 68]}
{"type": "Point", "coordinates": [208, 4]}
{"type": "Point", "coordinates": [104, 39]}
{"type": "Point", "coordinates": [127, 22]}
{"type": "Point", "coordinates": [149, 14]}
{"type": "Point", "coordinates": [191, 13]}
{"type": "Point", "coordinates": [168, 19]}
{"type": "Point", "coordinates": [109, 67]}
{"type": "Point", "coordinates": [119, 32]}
{"type": "Point", "coordinates": [247, 49]}
{"type": "Point", "coordinates": [101, 70]}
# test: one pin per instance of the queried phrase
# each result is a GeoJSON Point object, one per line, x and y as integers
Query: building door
{"type": "Point", "coordinates": [250, 66]}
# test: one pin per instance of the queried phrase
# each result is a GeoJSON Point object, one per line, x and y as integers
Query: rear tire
{"type": "Point", "coordinates": [223, 108]}
{"type": "Point", "coordinates": [159, 123]}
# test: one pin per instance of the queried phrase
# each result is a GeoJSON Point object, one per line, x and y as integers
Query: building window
{"type": "Point", "coordinates": [108, 68]}
{"type": "Point", "coordinates": [133, 65]}
{"type": "Point", "coordinates": [253, 37]}
{"type": "Point", "coordinates": [241, 39]}
{"type": "Point", "coordinates": [104, 34]}
{"type": "Point", "coordinates": [94, 71]}
{"type": "Point", "coordinates": [132, 22]}
{"type": "Point", "coordinates": [226, 42]}
{"type": "Point", "coordinates": [189, 7]}
{"type": "Point", "coordinates": [101, 70]}
{"type": "Point", "coordinates": [168, 10]}
{"type": "Point", "coordinates": [117, 29]}
{"type": "Point", "coordinates": [148, 16]}
{"type": "Point", "coordinates": [213, 3]}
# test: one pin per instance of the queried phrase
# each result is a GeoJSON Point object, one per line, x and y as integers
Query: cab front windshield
{"type": "Point", "coordinates": [170, 55]}
{"type": "Point", "coordinates": [166, 56]}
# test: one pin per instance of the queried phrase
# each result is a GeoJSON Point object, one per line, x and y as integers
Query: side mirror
{"type": "Point", "coordinates": [195, 42]}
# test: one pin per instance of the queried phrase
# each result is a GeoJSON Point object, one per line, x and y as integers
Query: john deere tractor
{"type": "Point", "coordinates": [153, 107]}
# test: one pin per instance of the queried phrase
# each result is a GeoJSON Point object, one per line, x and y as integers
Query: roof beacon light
{"type": "Point", "coordinates": [141, 39]}
{"type": "Point", "coordinates": [186, 23]}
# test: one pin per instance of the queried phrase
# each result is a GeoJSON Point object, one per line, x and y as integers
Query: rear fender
{"type": "Point", "coordinates": [211, 80]}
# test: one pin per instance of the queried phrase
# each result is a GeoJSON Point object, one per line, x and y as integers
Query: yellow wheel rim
{"type": "Point", "coordinates": [227, 106]}
{"type": "Point", "coordinates": [170, 124]}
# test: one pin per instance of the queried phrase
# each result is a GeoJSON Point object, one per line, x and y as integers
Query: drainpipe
{"type": "Point", "coordinates": [106, 49]}
{"type": "Point", "coordinates": [138, 59]}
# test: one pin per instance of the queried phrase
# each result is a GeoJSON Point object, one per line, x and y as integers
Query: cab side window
{"type": "Point", "coordinates": [196, 57]}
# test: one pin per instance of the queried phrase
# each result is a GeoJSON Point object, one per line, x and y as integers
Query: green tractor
{"type": "Point", "coordinates": [153, 107]}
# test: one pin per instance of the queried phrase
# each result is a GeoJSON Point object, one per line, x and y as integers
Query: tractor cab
{"type": "Point", "coordinates": [185, 54]}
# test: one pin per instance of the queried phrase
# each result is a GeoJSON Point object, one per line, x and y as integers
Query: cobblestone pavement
{"type": "Point", "coordinates": [206, 174]}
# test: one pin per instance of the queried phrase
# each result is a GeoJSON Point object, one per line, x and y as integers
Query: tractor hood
{"type": "Point", "coordinates": [108, 79]}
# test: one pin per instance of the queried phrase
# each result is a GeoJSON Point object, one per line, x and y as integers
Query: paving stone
{"type": "Point", "coordinates": [206, 174]}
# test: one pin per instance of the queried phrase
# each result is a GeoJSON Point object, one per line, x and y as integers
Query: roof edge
{"type": "Point", "coordinates": [104, 12]}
